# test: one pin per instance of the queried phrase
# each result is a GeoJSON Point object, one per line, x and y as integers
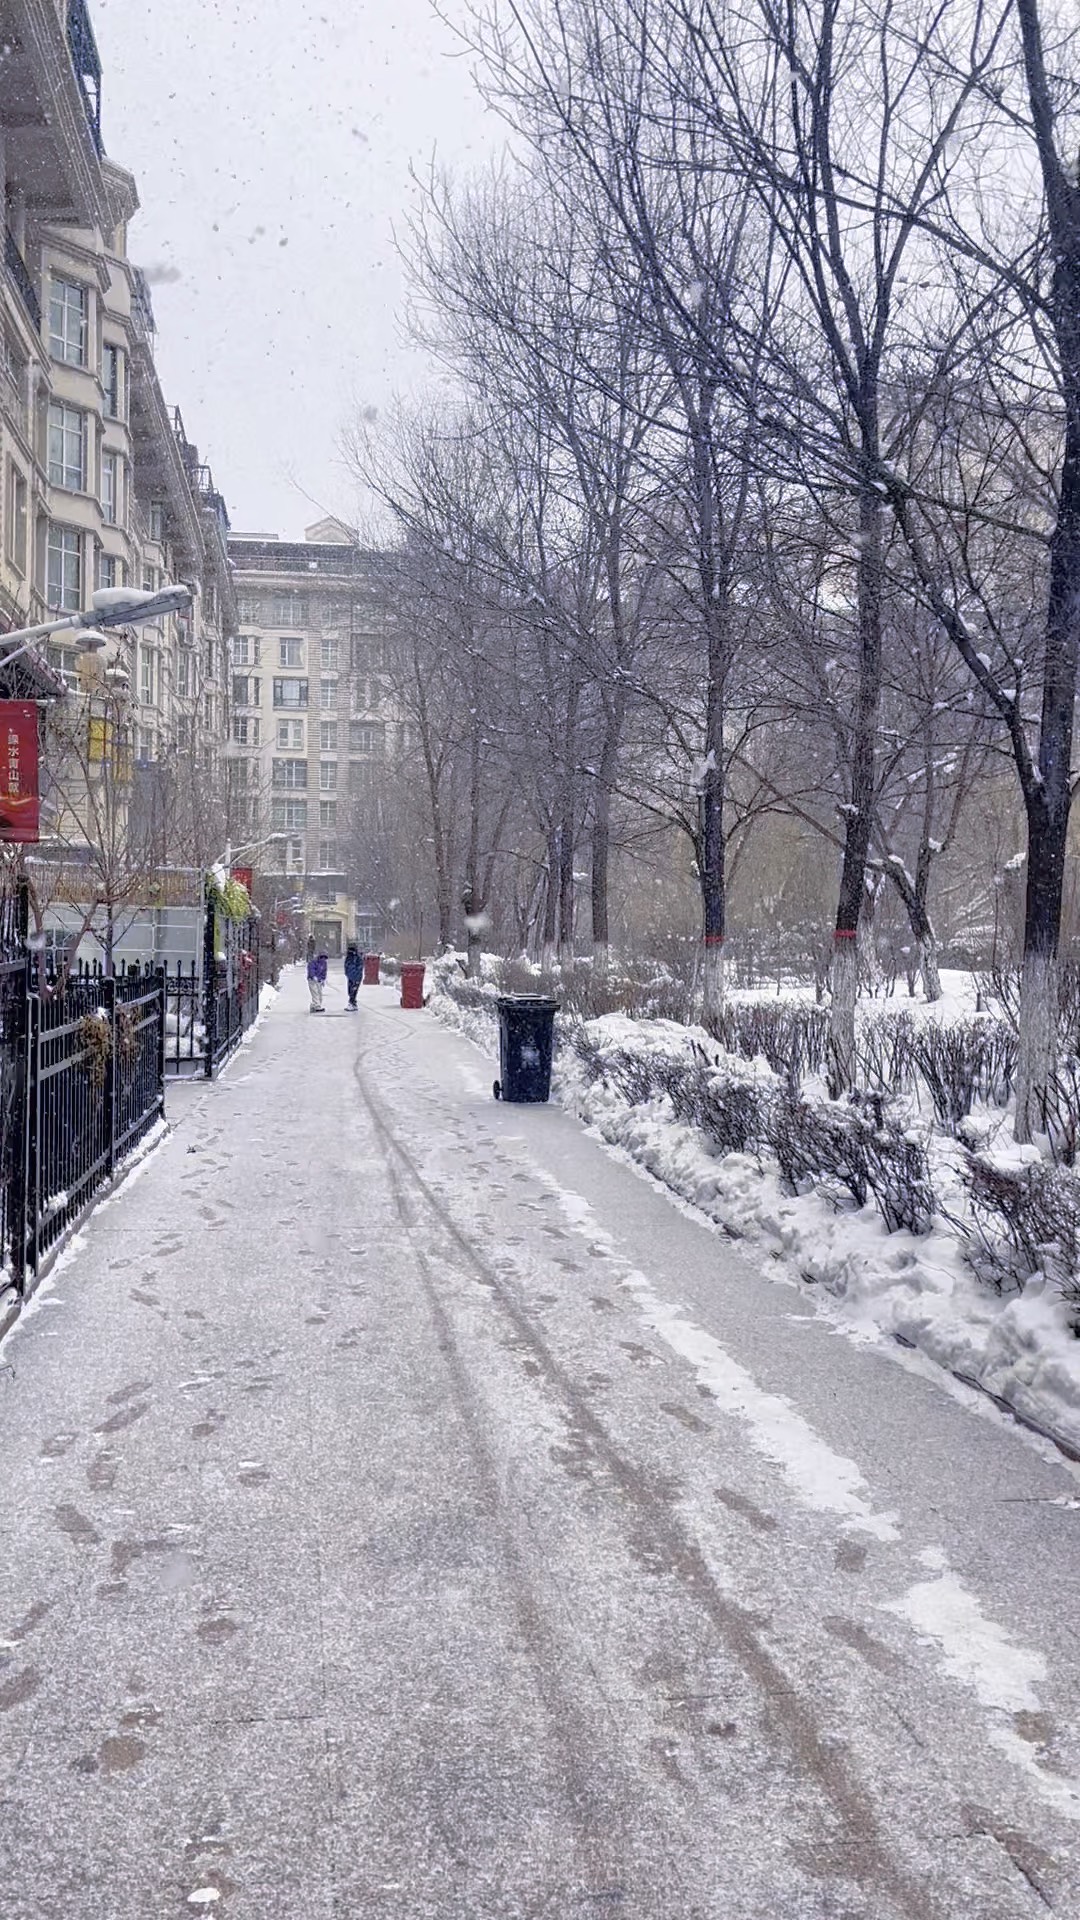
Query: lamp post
{"type": "Point", "coordinates": [110, 607]}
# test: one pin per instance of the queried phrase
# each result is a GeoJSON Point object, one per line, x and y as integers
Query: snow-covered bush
{"type": "Point", "coordinates": [962, 1061]}
{"type": "Point", "coordinates": [843, 1150]}
{"type": "Point", "coordinates": [1025, 1219]}
{"type": "Point", "coordinates": [791, 1036]}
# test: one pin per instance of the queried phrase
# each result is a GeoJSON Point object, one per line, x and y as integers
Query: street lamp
{"type": "Point", "coordinates": [110, 607]}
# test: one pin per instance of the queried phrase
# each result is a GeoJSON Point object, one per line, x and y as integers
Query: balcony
{"type": "Point", "coordinates": [19, 275]}
{"type": "Point", "coordinates": [142, 307]}
{"type": "Point", "coordinates": [87, 64]}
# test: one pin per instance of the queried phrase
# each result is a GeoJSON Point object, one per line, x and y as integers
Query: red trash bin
{"type": "Point", "coordinates": [371, 969]}
{"type": "Point", "coordinates": [412, 983]}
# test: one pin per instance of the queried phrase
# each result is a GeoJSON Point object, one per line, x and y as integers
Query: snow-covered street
{"type": "Point", "coordinates": [411, 1511]}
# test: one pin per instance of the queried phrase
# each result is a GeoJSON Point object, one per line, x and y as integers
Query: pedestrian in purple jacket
{"type": "Point", "coordinates": [316, 979]}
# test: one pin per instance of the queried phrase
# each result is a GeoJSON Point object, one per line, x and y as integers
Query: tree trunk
{"type": "Point", "coordinates": [1048, 800]}
{"type": "Point", "coordinates": [445, 909]}
{"type": "Point", "coordinates": [566, 893]}
{"type": "Point", "coordinates": [1038, 977]}
{"type": "Point", "coordinates": [598, 879]}
{"type": "Point", "coordinates": [473, 896]}
{"type": "Point", "coordinates": [859, 812]}
{"type": "Point", "coordinates": [567, 834]}
{"type": "Point", "coordinates": [926, 949]}
{"type": "Point", "coordinates": [601, 835]}
{"type": "Point", "coordinates": [551, 904]}
{"type": "Point", "coordinates": [845, 993]}
{"type": "Point", "coordinates": [871, 971]}
{"type": "Point", "coordinates": [712, 981]}
{"type": "Point", "coordinates": [711, 849]}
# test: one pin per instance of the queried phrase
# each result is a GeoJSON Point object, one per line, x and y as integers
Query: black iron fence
{"type": "Point", "coordinates": [81, 1083]}
{"type": "Point", "coordinates": [185, 1021]}
{"type": "Point", "coordinates": [208, 1009]}
{"type": "Point", "coordinates": [14, 1014]}
{"type": "Point", "coordinates": [231, 970]}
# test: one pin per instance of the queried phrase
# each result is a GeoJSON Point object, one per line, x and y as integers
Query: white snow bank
{"type": "Point", "coordinates": [918, 1289]}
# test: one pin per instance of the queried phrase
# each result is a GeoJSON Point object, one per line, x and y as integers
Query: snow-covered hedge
{"type": "Point", "coordinates": [959, 1244]}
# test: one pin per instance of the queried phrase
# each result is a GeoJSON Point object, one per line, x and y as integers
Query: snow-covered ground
{"type": "Point", "coordinates": [918, 1288]}
{"type": "Point", "coordinates": [412, 1510]}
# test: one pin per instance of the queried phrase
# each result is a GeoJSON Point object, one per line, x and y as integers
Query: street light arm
{"type": "Point", "coordinates": [112, 607]}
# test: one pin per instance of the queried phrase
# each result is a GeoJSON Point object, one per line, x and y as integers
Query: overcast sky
{"type": "Point", "coordinates": [271, 142]}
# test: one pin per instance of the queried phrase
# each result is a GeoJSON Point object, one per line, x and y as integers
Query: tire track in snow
{"type": "Point", "coordinates": [868, 1859]}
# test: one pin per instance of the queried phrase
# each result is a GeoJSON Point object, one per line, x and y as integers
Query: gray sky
{"type": "Point", "coordinates": [271, 142]}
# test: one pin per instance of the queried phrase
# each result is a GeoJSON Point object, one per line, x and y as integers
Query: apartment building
{"type": "Point", "coordinates": [100, 483]}
{"type": "Point", "coordinates": [311, 724]}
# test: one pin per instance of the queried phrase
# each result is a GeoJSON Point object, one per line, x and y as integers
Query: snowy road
{"type": "Point", "coordinates": [408, 1511]}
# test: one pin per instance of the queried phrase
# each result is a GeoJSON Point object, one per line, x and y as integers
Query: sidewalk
{"type": "Point", "coordinates": [409, 1513]}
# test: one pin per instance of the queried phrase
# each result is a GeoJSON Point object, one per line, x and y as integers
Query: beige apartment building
{"type": "Point", "coordinates": [311, 726]}
{"type": "Point", "coordinates": [100, 484]}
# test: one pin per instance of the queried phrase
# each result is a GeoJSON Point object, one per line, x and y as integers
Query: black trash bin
{"type": "Point", "coordinates": [526, 1040]}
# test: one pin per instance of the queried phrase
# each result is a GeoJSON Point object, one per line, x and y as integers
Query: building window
{"type": "Point", "coordinates": [290, 773]}
{"type": "Point", "coordinates": [67, 447]}
{"type": "Point", "coordinates": [151, 579]}
{"type": "Point", "coordinates": [183, 674]}
{"type": "Point", "coordinates": [65, 662]}
{"type": "Point", "coordinates": [249, 609]}
{"type": "Point", "coordinates": [328, 856]}
{"type": "Point", "coordinates": [328, 736]}
{"type": "Point", "coordinates": [247, 650]}
{"type": "Point", "coordinates": [288, 610]}
{"type": "Point", "coordinates": [110, 488]}
{"type": "Point", "coordinates": [368, 653]}
{"type": "Point", "coordinates": [246, 688]}
{"type": "Point", "coordinates": [290, 693]}
{"type": "Point", "coordinates": [288, 813]}
{"type": "Point", "coordinates": [112, 381]}
{"type": "Point", "coordinates": [110, 570]}
{"type": "Point", "coordinates": [362, 776]}
{"type": "Point", "coordinates": [16, 369]}
{"type": "Point", "coordinates": [294, 856]}
{"type": "Point", "coordinates": [328, 693]}
{"type": "Point", "coordinates": [246, 729]}
{"type": "Point", "coordinates": [366, 736]}
{"type": "Point", "coordinates": [331, 656]}
{"type": "Point", "coordinates": [64, 564]}
{"type": "Point", "coordinates": [157, 521]}
{"type": "Point", "coordinates": [184, 732]}
{"type": "Point", "coordinates": [328, 776]}
{"type": "Point", "coordinates": [290, 653]}
{"type": "Point", "coordinates": [68, 306]}
{"type": "Point", "coordinates": [146, 676]}
{"type": "Point", "coordinates": [146, 743]}
{"type": "Point", "coordinates": [290, 733]}
{"type": "Point", "coordinates": [16, 518]}
{"type": "Point", "coordinates": [328, 813]}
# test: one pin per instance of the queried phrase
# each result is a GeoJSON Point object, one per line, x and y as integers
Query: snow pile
{"type": "Point", "coordinates": [831, 1193]}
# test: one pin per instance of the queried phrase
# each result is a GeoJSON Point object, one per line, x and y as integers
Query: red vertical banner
{"type": "Point", "coordinates": [19, 803]}
{"type": "Point", "coordinates": [245, 875]}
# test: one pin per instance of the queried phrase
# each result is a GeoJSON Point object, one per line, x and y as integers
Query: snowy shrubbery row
{"type": "Point", "coordinates": [957, 1063]}
{"type": "Point", "coordinates": [1014, 1216]}
{"type": "Point", "coordinates": [852, 1150]}
{"type": "Point", "coordinates": [1024, 1219]}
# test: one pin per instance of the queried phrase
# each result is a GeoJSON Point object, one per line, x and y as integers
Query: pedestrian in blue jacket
{"type": "Point", "coordinates": [316, 979]}
{"type": "Point", "coordinates": [354, 971]}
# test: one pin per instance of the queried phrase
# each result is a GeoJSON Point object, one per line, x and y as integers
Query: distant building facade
{"type": "Point", "coordinates": [311, 722]}
{"type": "Point", "coordinates": [99, 484]}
